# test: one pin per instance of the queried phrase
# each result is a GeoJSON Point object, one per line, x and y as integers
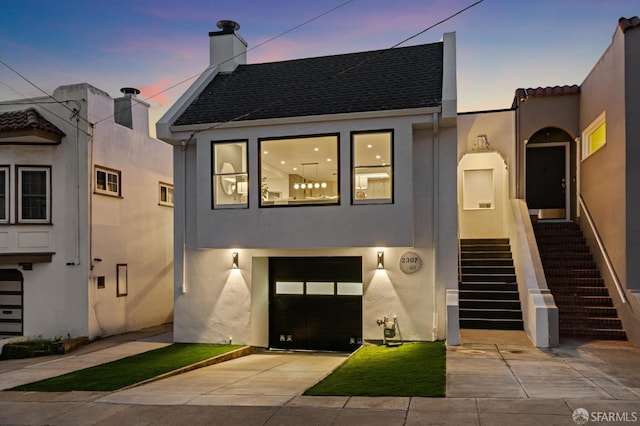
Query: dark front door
{"type": "Point", "coordinates": [315, 303]}
{"type": "Point", "coordinates": [10, 303]}
{"type": "Point", "coordinates": [546, 181]}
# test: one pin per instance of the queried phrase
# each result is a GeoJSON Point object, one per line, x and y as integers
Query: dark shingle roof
{"type": "Point", "coordinates": [28, 119]}
{"type": "Point", "coordinates": [400, 78]}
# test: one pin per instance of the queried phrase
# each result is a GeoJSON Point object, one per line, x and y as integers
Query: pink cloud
{"type": "Point", "coordinates": [156, 93]}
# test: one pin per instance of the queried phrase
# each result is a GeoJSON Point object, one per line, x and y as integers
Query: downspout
{"type": "Point", "coordinates": [183, 225]}
{"type": "Point", "coordinates": [435, 207]}
{"type": "Point", "coordinates": [76, 115]}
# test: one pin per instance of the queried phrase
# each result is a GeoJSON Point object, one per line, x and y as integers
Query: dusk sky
{"type": "Point", "coordinates": [155, 44]}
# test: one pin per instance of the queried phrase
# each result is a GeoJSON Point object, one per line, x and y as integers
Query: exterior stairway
{"type": "Point", "coordinates": [488, 291]}
{"type": "Point", "coordinates": [584, 307]}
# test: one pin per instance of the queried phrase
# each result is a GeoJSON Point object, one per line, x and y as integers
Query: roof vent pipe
{"type": "Point", "coordinates": [130, 91]}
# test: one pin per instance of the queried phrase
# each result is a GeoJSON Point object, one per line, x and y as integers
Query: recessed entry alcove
{"type": "Point", "coordinates": [483, 188]}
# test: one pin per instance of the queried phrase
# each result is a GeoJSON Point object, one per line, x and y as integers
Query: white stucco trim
{"type": "Point", "coordinates": [418, 112]}
{"type": "Point", "coordinates": [163, 129]}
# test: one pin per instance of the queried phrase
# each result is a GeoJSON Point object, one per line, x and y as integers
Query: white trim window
{"type": "Point", "coordinates": [166, 194]}
{"type": "Point", "coordinates": [34, 194]}
{"type": "Point", "coordinates": [594, 136]}
{"type": "Point", "coordinates": [107, 181]}
{"type": "Point", "coordinates": [4, 194]}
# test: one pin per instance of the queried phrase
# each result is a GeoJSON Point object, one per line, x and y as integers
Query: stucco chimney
{"type": "Point", "coordinates": [131, 112]}
{"type": "Point", "coordinates": [227, 48]}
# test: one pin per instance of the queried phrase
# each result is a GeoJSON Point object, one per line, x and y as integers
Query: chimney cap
{"type": "Point", "coordinates": [130, 91]}
{"type": "Point", "coordinates": [227, 25]}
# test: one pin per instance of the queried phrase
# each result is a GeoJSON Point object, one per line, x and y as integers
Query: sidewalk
{"type": "Point", "coordinates": [493, 378]}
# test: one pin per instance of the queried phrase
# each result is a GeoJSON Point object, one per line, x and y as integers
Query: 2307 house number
{"type": "Point", "coordinates": [410, 262]}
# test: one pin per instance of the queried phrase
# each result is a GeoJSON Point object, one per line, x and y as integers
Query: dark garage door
{"type": "Point", "coordinates": [10, 303]}
{"type": "Point", "coordinates": [315, 303]}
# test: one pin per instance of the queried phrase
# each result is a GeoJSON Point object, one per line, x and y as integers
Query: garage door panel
{"type": "Point", "coordinates": [319, 319]}
{"type": "Point", "coordinates": [10, 302]}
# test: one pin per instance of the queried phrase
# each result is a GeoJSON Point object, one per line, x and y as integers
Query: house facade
{"type": "Point", "coordinates": [85, 216]}
{"type": "Point", "coordinates": [315, 199]}
{"type": "Point", "coordinates": [569, 153]}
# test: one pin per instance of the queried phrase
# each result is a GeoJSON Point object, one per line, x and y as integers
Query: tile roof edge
{"type": "Point", "coordinates": [626, 23]}
{"type": "Point", "coordinates": [548, 91]}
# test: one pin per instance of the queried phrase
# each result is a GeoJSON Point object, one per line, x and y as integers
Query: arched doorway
{"type": "Point", "coordinates": [550, 174]}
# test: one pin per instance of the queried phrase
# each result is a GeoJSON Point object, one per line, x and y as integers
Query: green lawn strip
{"type": "Point", "coordinates": [130, 370]}
{"type": "Point", "coordinates": [412, 369]}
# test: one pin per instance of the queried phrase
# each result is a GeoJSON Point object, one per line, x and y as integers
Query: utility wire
{"type": "Point", "coordinates": [43, 91]}
{"type": "Point", "coordinates": [248, 50]}
{"type": "Point", "coordinates": [33, 101]}
{"type": "Point", "coordinates": [342, 72]}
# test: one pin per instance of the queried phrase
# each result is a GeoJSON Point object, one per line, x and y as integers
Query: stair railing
{"type": "Point", "coordinates": [603, 251]}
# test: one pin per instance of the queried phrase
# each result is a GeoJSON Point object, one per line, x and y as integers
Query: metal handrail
{"type": "Point", "coordinates": [603, 251]}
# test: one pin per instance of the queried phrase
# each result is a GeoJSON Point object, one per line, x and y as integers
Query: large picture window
{"type": "Point", "coordinates": [4, 194]}
{"type": "Point", "coordinates": [372, 160]}
{"type": "Point", "coordinates": [299, 171]}
{"type": "Point", "coordinates": [230, 185]}
{"type": "Point", "coordinates": [34, 194]}
{"type": "Point", "coordinates": [595, 136]}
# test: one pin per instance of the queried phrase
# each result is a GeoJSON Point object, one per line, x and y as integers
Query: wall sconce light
{"type": "Point", "coordinates": [380, 260]}
{"type": "Point", "coordinates": [234, 260]}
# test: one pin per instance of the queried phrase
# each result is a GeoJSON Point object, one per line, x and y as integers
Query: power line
{"type": "Point", "coordinates": [342, 72]}
{"type": "Point", "coordinates": [248, 50]}
{"type": "Point", "coordinates": [43, 91]}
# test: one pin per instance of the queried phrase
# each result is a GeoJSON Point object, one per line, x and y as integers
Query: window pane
{"type": "Point", "coordinates": [299, 171]}
{"type": "Point", "coordinates": [112, 184]}
{"type": "Point", "coordinates": [320, 288]}
{"type": "Point", "coordinates": [372, 166]}
{"type": "Point", "coordinates": [598, 138]}
{"type": "Point", "coordinates": [350, 289]}
{"type": "Point", "coordinates": [230, 178]}
{"type": "Point", "coordinates": [101, 180]}
{"type": "Point", "coordinates": [284, 287]}
{"type": "Point", "coordinates": [34, 194]}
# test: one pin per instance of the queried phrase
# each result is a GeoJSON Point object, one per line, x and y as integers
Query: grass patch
{"type": "Point", "coordinates": [128, 371]}
{"type": "Point", "coordinates": [413, 369]}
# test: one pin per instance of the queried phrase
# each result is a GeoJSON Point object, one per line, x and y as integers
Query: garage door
{"type": "Point", "coordinates": [10, 303]}
{"type": "Point", "coordinates": [315, 303]}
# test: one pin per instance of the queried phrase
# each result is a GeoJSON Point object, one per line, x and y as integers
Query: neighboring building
{"type": "Point", "coordinates": [85, 216]}
{"type": "Point", "coordinates": [315, 198]}
{"type": "Point", "coordinates": [572, 153]}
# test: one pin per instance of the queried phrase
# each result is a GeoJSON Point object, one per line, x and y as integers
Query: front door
{"type": "Point", "coordinates": [547, 181]}
{"type": "Point", "coordinates": [315, 303]}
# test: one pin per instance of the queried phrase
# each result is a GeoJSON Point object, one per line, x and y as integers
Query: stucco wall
{"type": "Point", "coordinates": [498, 129]}
{"type": "Point", "coordinates": [333, 226]}
{"type": "Point", "coordinates": [54, 294]}
{"type": "Point", "coordinates": [603, 174]}
{"type": "Point", "coordinates": [215, 303]}
{"type": "Point", "coordinates": [632, 134]}
{"type": "Point", "coordinates": [132, 229]}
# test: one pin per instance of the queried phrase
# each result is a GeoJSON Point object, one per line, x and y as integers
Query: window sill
{"type": "Point", "coordinates": [107, 194]}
